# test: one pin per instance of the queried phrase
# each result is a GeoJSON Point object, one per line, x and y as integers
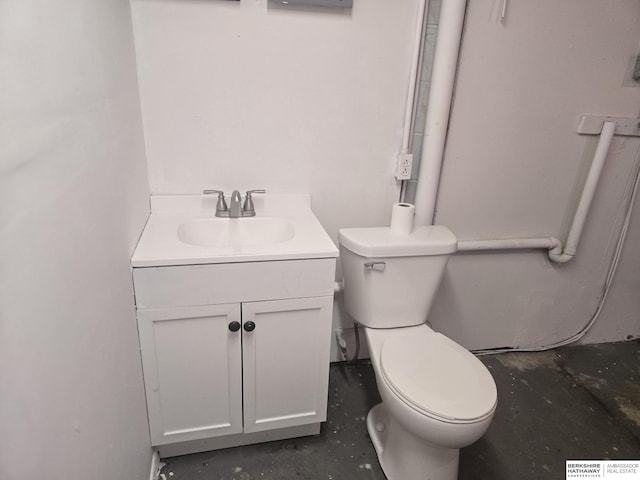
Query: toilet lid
{"type": "Point", "coordinates": [437, 376]}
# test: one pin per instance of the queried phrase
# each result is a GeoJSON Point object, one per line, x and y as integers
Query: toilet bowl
{"type": "Point", "coordinates": [437, 397]}
{"type": "Point", "coordinates": [431, 407]}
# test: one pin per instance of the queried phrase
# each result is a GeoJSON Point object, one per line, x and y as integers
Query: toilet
{"type": "Point", "coordinates": [437, 397]}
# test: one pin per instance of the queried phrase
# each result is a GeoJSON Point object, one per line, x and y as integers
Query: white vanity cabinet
{"type": "Point", "coordinates": [192, 372]}
{"type": "Point", "coordinates": [234, 353]}
{"type": "Point", "coordinates": [285, 362]}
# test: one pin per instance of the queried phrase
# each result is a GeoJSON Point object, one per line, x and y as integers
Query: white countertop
{"type": "Point", "coordinates": [160, 244]}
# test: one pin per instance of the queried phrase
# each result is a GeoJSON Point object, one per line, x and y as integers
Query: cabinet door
{"type": "Point", "coordinates": [286, 362]}
{"type": "Point", "coordinates": [192, 372]}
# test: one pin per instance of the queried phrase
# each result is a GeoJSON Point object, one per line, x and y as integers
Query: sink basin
{"type": "Point", "coordinates": [181, 230]}
{"type": "Point", "coordinates": [235, 232]}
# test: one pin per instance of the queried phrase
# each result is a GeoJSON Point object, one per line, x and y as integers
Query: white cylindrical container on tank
{"type": "Point", "coordinates": [402, 218]}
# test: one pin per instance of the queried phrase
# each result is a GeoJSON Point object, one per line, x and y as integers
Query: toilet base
{"type": "Point", "coordinates": [403, 456]}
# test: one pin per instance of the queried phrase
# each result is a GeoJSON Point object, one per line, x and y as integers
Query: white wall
{"type": "Point", "coordinates": [514, 164]}
{"type": "Point", "coordinates": [245, 95]}
{"type": "Point", "coordinates": [73, 199]}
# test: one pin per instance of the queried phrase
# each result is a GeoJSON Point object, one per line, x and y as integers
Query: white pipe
{"type": "Point", "coordinates": [588, 192]}
{"type": "Point", "coordinates": [438, 111]}
{"type": "Point", "coordinates": [547, 243]}
{"type": "Point", "coordinates": [554, 246]}
{"type": "Point", "coordinates": [439, 107]}
{"type": "Point", "coordinates": [415, 65]}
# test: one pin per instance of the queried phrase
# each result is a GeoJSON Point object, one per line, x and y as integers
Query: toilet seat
{"type": "Point", "coordinates": [436, 376]}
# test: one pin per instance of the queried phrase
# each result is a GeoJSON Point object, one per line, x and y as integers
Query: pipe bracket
{"type": "Point", "coordinates": [592, 125]}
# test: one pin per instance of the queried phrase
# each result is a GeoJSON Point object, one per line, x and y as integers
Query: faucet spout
{"type": "Point", "coordinates": [235, 207]}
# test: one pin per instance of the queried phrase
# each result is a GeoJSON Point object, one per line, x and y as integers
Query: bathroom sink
{"type": "Point", "coordinates": [182, 230]}
{"type": "Point", "coordinates": [235, 232]}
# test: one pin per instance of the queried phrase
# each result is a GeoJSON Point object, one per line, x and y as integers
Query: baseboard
{"type": "Point", "coordinates": [156, 466]}
{"type": "Point", "coordinates": [235, 440]}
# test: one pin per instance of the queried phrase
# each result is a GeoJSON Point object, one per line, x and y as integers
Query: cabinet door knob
{"type": "Point", "coordinates": [234, 326]}
{"type": "Point", "coordinates": [249, 326]}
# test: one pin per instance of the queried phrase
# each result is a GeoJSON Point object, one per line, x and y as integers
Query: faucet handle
{"type": "Point", "coordinates": [221, 206]}
{"type": "Point", "coordinates": [248, 201]}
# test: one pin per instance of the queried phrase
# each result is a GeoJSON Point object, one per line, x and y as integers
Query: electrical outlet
{"type": "Point", "coordinates": [403, 166]}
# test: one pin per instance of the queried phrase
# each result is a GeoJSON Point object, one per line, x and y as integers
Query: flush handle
{"type": "Point", "coordinates": [375, 266]}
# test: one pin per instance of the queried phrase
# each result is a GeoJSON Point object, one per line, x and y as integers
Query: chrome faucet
{"type": "Point", "coordinates": [236, 209]}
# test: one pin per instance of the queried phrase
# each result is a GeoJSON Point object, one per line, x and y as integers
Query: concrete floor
{"type": "Point", "coordinates": [572, 403]}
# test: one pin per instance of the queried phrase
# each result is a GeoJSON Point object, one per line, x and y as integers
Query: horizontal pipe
{"type": "Point", "coordinates": [557, 253]}
{"type": "Point", "coordinates": [546, 243]}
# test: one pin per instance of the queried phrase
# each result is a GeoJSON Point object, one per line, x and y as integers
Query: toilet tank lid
{"type": "Point", "coordinates": [380, 242]}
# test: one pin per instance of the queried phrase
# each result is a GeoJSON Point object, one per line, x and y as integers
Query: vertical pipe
{"type": "Point", "coordinates": [440, 95]}
{"type": "Point", "coordinates": [408, 116]}
{"type": "Point", "coordinates": [580, 217]}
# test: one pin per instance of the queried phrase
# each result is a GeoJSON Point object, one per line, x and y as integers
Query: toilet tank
{"type": "Point", "coordinates": [391, 280]}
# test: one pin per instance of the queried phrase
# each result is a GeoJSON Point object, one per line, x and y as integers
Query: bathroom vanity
{"type": "Point", "coordinates": [234, 321]}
